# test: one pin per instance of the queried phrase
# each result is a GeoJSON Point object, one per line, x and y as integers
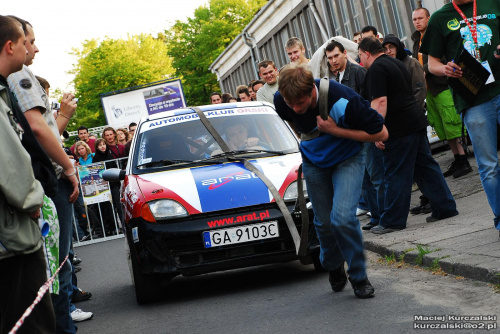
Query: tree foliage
{"type": "Point", "coordinates": [111, 65]}
{"type": "Point", "coordinates": [195, 44]}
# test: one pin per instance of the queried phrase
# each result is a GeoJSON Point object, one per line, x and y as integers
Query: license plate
{"type": "Point", "coordinates": [236, 235]}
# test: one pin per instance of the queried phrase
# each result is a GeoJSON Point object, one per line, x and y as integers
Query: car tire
{"type": "Point", "coordinates": [148, 287]}
{"type": "Point", "coordinates": [317, 263]}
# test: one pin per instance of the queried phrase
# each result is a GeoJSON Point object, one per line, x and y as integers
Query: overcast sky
{"type": "Point", "coordinates": [62, 25]}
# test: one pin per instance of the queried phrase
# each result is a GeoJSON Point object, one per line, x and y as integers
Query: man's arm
{"type": "Point", "coordinates": [380, 105]}
{"type": "Point", "coordinates": [51, 145]}
{"type": "Point", "coordinates": [449, 70]}
{"type": "Point", "coordinates": [418, 82]}
{"type": "Point", "coordinates": [17, 182]}
{"type": "Point", "coordinates": [329, 126]}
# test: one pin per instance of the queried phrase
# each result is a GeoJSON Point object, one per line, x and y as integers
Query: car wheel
{"type": "Point", "coordinates": [317, 263]}
{"type": "Point", "coordinates": [147, 286]}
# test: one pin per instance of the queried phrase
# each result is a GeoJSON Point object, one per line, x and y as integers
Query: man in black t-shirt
{"type": "Point", "coordinates": [406, 153]}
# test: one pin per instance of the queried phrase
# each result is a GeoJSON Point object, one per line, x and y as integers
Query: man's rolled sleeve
{"type": "Point", "coordinates": [23, 84]}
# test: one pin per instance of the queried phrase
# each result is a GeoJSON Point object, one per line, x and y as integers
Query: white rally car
{"type": "Point", "coordinates": [191, 203]}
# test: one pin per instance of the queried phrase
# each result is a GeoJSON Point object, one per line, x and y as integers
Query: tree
{"type": "Point", "coordinates": [113, 65]}
{"type": "Point", "coordinates": [195, 44]}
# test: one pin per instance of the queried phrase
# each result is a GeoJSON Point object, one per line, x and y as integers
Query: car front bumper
{"type": "Point", "coordinates": [177, 247]}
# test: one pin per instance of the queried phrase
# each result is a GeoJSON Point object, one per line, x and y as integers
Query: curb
{"type": "Point", "coordinates": [478, 267]}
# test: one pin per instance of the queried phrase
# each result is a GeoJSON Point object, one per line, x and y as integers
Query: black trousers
{"type": "Point", "coordinates": [21, 277]}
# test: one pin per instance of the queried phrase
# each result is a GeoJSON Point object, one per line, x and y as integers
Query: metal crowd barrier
{"type": "Point", "coordinates": [95, 215]}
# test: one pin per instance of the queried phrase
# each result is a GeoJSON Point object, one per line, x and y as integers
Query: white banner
{"type": "Point", "coordinates": [121, 109]}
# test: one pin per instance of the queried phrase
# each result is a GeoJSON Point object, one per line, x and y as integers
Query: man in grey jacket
{"type": "Point", "coordinates": [34, 103]}
{"type": "Point", "coordinates": [22, 264]}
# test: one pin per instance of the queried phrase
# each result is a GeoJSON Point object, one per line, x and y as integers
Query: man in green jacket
{"type": "Point", "coordinates": [22, 264]}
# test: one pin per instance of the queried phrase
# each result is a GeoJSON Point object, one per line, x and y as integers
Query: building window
{"type": "Point", "coordinates": [281, 39]}
{"type": "Point", "coordinates": [397, 19]}
{"type": "Point", "coordinates": [355, 16]}
{"type": "Point", "coordinates": [370, 13]}
{"type": "Point", "coordinates": [333, 15]}
{"type": "Point", "coordinates": [384, 18]}
{"type": "Point", "coordinates": [345, 19]}
{"type": "Point", "coordinates": [413, 5]}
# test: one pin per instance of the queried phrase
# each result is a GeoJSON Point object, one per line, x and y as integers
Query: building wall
{"type": "Point", "coordinates": [265, 36]}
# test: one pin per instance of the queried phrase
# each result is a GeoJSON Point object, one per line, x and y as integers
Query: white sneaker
{"type": "Point", "coordinates": [78, 315]}
{"type": "Point", "coordinates": [369, 214]}
{"type": "Point", "coordinates": [360, 212]}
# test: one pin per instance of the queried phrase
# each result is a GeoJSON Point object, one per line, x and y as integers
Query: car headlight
{"type": "Point", "coordinates": [291, 192]}
{"type": "Point", "coordinates": [167, 209]}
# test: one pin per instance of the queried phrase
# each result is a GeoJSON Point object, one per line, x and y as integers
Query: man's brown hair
{"type": "Point", "coordinates": [109, 128]}
{"type": "Point", "coordinates": [9, 30]}
{"type": "Point", "coordinates": [294, 41]}
{"type": "Point", "coordinates": [296, 81]}
{"type": "Point", "coordinates": [266, 63]}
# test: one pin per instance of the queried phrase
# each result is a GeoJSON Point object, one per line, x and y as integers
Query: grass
{"type": "Point", "coordinates": [496, 287]}
{"type": "Point", "coordinates": [422, 251]}
{"type": "Point", "coordinates": [390, 259]}
{"type": "Point", "coordinates": [402, 256]}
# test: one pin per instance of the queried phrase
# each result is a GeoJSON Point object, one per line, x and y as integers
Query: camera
{"type": "Point", "coordinates": [55, 105]}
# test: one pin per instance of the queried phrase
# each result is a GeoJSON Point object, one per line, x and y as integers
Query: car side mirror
{"type": "Point", "coordinates": [114, 174]}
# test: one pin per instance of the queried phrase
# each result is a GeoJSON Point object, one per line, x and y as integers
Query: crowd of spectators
{"type": "Point", "coordinates": [410, 90]}
{"type": "Point", "coordinates": [112, 149]}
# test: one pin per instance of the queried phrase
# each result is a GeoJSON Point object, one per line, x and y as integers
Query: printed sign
{"type": "Point", "coordinates": [122, 108]}
{"type": "Point", "coordinates": [94, 188]}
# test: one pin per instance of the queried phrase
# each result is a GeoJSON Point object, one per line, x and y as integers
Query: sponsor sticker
{"type": "Point", "coordinates": [135, 234]}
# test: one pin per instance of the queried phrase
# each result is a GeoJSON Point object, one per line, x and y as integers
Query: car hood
{"type": "Point", "coordinates": [222, 186]}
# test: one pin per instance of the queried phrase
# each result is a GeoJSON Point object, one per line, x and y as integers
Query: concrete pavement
{"type": "Point", "coordinates": [466, 245]}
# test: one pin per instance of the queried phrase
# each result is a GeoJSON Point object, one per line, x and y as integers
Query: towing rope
{"type": "Point", "coordinates": [248, 165]}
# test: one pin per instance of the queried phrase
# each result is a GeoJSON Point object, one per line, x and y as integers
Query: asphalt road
{"type": "Point", "coordinates": [282, 298]}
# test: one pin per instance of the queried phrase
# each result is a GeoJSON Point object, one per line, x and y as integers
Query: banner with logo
{"type": "Point", "coordinates": [130, 105]}
{"type": "Point", "coordinates": [94, 188]}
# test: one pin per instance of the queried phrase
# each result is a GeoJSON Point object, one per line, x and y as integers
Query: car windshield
{"type": "Point", "coordinates": [177, 141]}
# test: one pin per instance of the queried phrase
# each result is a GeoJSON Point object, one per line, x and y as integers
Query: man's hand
{"type": "Point", "coordinates": [328, 126]}
{"type": "Point", "coordinates": [35, 214]}
{"type": "Point", "coordinates": [452, 70]}
{"type": "Point", "coordinates": [497, 56]}
{"type": "Point", "coordinates": [68, 105]}
{"type": "Point", "coordinates": [380, 145]}
{"type": "Point", "coordinates": [252, 141]}
{"type": "Point", "coordinates": [74, 182]}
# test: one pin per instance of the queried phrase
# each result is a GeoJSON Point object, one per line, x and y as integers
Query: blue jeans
{"type": "Point", "coordinates": [404, 159]}
{"type": "Point", "coordinates": [80, 217]}
{"type": "Point", "coordinates": [64, 323]}
{"type": "Point", "coordinates": [481, 122]}
{"type": "Point", "coordinates": [372, 189]}
{"type": "Point", "coordinates": [334, 193]}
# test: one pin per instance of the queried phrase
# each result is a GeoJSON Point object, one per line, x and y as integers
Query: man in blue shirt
{"type": "Point", "coordinates": [333, 159]}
